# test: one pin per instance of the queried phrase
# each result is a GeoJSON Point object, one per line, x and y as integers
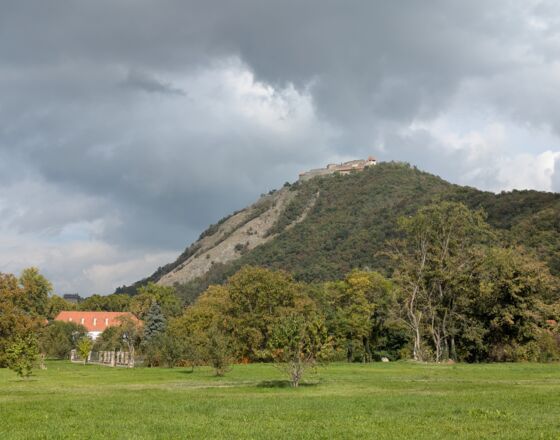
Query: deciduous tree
{"type": "Point", "coordinates": [84, 347]}
{"type": "Point", "coordinates": [297, 342]}
{"type": "Point", "coordinates": [165, 296]}
{"type": "Point", "coordinates": [58, 338]}
{"type": "Point", "coordinates": [35, 290]}
{"type": "Point", "coordinates": [22, 355]}
{"type": "Point", "coordinates": [434, 260]}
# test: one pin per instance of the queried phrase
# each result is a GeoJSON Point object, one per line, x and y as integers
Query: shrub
{"type": "Point", "coordinates": [22, 355]}
{"type": "Point", "coordinates": [297, 343]}
{"type": "Point", "coordinates": [84, 347]}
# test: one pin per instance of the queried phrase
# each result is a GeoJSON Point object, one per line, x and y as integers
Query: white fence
{"type": "Point", "coordinates": [108, 358]}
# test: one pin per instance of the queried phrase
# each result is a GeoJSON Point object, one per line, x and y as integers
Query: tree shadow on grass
{"type": "Point", "coordinates": [24, 380]}
{"type": "Point", "coordinates": [283, 384]}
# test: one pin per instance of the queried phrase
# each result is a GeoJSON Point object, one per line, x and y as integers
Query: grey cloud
{"type": "Point", "coordinates": [142, 81]}
{"type": "Point", "coordinates": [148, 114]}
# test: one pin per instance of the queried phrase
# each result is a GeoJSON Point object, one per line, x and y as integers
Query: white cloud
{"type": "Point", "coordinates": [84, 266]}
{"type": "Point", "coordinates": [88, 211]}
{"type": "Point", "coordinates": [527, 171]}
{"type": "Point", "coordinates": [494, 156]}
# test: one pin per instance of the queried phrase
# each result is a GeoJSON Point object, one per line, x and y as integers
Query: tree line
{"type": "Point", "coordinates": [455, 294]}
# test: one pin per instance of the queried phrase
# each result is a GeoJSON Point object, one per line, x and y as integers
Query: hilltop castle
{"type": "Point", "coordinates": [342, 168]}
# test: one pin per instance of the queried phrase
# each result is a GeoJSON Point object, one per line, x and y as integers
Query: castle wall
{"type": "Point", "coordinates": [343, 168]}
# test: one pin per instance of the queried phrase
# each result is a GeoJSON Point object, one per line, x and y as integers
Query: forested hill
{"type": "Point", "coordinates": [323, 228]}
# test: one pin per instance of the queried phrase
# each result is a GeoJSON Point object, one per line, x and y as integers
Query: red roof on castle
{"type": "Point", "coordinates": [94, 321]}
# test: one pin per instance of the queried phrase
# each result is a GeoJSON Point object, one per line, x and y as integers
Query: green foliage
{"type": "Point", "coordinates": [173, 349]}
{"type": "Point", "coordinates": [463, 299]}
{"type": "Point", "coordinates": [106, 303]}
{"type": "Point", "coordinates": [28, 293]}
{"type": "Point", "coordinates": [56, 304]}
{"type": "Point", "coordinates": [257, 298]}
{"type": "Point", "coordinates": [154, 328]}
{"type": "Point", "coordinates": [508, 307]}
{"type": "Point", "coordinates": [109, 340]}
{"type": "Point", "coordinates": [84, 347]}
{"type": "Point", "coordinates": [540, 231]}
{"type": "Point", "coordinates": [22, 355]}
{"type": "Point", "coordinates": [217, 352]}
{"type": "Point", "coordinates": [154, 322]}
{"type": "Point", "coordinates": [358, 310]}
{"type": "Point", "coordinates": [58, 338]}
{"type": "Point", "coordinates": [294, 209]}
{"type": "Point", "coordinates": [434, 261]}
{"type": "Point", "coordinates": [360, 315]}
{"type": "Point", "coordinates": [297, 342]}
{"type": "Point", "coordinates": [15, 322]}
{"type": "Point", "coordinates": [35, 292]}
{"type": "Point", "coordinates": [151, 293]}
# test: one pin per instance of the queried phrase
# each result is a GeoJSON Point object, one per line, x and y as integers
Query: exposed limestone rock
{"type": "Point", "coordinates": [240, 233]}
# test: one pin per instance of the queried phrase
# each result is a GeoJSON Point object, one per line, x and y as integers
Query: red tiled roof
{"type": "Point", "coordinates": [94, 321]}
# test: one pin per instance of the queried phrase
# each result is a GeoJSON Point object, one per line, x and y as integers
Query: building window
{"type": "Point", "coordinates": [69, 319]}
{"type": "Point", "coordinates": [94, 322]}
{"type": "Point", "coordinates": [106, 321]}
{"type": "Point", "coordinates": [82, 321]}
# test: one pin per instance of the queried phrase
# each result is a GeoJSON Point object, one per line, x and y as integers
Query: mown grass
{"type": "Point", "coordinates": [382, 401]}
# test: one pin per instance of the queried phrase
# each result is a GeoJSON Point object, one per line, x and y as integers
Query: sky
{"type": "Point", "coordinates": [127, 127]}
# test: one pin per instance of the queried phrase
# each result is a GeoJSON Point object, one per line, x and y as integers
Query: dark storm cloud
{"type": "Point", "coordinates": [155, 119]}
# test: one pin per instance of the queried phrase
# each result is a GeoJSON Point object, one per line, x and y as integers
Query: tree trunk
{"type": "Point", "coordinates": [42, 365]}
{"type": "Point", "coordinates": [130, 356]}
{"type": "Point", "coordinates": [350, 351]}
{"type": "Point", "coordinates": [453, 352]}
{"type": "Point", "coordinates": [368, 356]}
{"type": "Point", "coordinates": [417, 352]}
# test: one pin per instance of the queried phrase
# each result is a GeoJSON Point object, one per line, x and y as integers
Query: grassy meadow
{"type": "Point", "coordinates": [382, 401]}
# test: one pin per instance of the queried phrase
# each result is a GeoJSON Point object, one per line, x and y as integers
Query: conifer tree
{"type": "Point", "coordinates": [154, 329]}
{"type": "Point", "coordinates": [154, 324]}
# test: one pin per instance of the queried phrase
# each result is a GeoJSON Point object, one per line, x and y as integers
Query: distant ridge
{"type": "Point", "coordinates": [325, 225]}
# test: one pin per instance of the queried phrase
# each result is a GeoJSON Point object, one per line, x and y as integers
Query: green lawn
{"type": "Point", "coordinates": [382, 401]}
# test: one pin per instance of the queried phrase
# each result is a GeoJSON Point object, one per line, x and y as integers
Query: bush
{"type": "Point", "coordinates": [218, 351]}
{"type": "Point", "coordinates": [58, 338]}
{"type": "Point", "coordinates": [22, 355]}
{"type": "Point", "coordinates": [84, 347]}
{"type": "Point", "coordinates": [297, 343]}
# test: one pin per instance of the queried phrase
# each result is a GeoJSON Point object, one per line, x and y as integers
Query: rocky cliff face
{"type": "Point", "coordinates": [233, 237]}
